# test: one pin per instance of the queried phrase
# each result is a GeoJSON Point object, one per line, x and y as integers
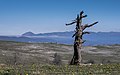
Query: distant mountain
{"type": "Point", "coordinates": [28, 34]}
{"type": "Point", "coordinates": [49, 34]}
{"type": "Point", "coordinates": [99, 38]}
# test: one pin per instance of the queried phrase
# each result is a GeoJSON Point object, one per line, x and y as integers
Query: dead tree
{"type": "Point", "coordinates": [79, 32]}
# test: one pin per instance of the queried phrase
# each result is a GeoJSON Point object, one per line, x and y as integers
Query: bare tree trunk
{"type": "Point", "coordinates": [76, 60]}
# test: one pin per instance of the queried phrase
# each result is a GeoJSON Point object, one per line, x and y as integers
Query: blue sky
{"type": "Point", "coordinates": [41, 16]}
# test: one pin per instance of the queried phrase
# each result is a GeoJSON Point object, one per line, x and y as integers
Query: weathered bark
{"type": "Point", "coordinates": [76, 60]}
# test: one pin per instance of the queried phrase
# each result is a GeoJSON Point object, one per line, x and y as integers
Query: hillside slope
{"type": "Point", "coordinates": [43, 53]}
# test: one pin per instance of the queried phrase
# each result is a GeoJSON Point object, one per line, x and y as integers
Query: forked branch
{"type": "Point", "coordinates": [87, 26]}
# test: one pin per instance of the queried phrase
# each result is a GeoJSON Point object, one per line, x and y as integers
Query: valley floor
{"type": "Point", "coordinates": [37, 59]}
{"type": "Point", "coordinates": [43, 53]}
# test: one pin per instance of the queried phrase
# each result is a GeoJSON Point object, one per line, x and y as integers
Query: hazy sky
{"type": "Point", "coordinates": [40, 16]}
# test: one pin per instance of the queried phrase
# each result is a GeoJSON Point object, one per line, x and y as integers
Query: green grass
{"type": "Point", "coordinates": [95, 69]}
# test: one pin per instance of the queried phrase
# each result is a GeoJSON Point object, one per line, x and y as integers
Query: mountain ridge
{"type": "Point", "coordinates": [43, 34]}
{"type": "Point", "coordinates": [95, 38]}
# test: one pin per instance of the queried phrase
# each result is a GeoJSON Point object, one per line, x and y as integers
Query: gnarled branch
{"type": "Point", "coordinates": [86, 25]}
{"type": "Point", "coordinates": [84, 16]}
{"type": "Point", "coordinates": [85, 33]}
{"type": "Point", "coordinates": [81, 13]}
{"type": "Point", "coordinates": [71, 23]}
{"type": "Point", "coordinates": [83, 41]}
{"type": "Point", "coordinates": [92, 24]}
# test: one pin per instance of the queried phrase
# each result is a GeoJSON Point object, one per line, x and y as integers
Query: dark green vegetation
{"type": "Point", "coordinates": [96, 69]}
{"type": "Point", "coordinates": [38, 58]}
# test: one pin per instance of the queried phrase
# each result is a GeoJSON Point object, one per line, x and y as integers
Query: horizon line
{"type": "Point", "coordinates": [55, 32]}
